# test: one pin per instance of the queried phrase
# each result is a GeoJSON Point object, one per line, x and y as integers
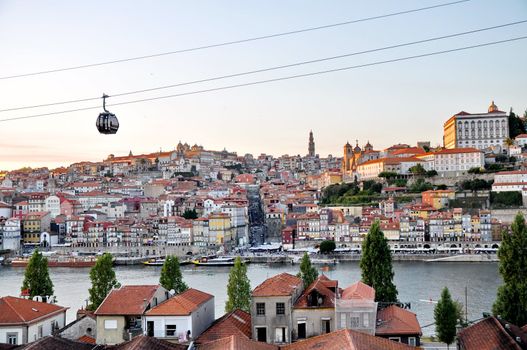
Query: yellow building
{"type": "Point", "coordinates": [438, 199]}
{"type": "Point", "coordinates": [33, 225]}
{"type": "Point", "coordinates": [220, 226]}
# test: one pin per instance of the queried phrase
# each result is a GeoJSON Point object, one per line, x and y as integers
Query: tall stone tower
{"type": "Point", "coordinates": [311, 147]}
{"type": "Point", "coordinates": [347, 157]}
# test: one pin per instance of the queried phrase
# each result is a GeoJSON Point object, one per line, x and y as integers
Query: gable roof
{"type": "Point", "coordinates": [321, 285]}
{"type": "Point", "coordinates": [181, 305]}
{"type": "Point", "coordinates": [496, 336]}
{"type": "Point", "coordinates": [358, 290]}
{"type": "Point", "coordinates": [127, 300]}
{"type": "Point", "coordinates": [347, 339]}
{"type": "Point", "coordinates": [237, 322]}
{"type": "Point", "coordinates": [15, 311]}
{"type": "Point", "coordinates": [396, 320]}
{"type": "Point", "coordinates": [280, 285]}
{"type": "Point", "coordinates": [236, 342]}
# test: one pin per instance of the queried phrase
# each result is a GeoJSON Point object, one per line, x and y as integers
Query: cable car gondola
{"type": "Point", "coordinates": [107, 122]}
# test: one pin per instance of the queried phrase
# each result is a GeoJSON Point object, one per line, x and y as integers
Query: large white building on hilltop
{"type": "Point", "coordinates": [481, 130]}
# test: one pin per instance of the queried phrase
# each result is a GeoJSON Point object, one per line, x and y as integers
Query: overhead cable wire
{"type": "Point", "coordinates": [227, 43]}
{"type": "Point", "coordinates": [271, 68]}
{"type": "Point", "coordinates": [406, 58]}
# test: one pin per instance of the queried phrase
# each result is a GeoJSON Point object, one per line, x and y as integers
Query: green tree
{"type": "Point", "coordinates": [445, 317]}
{"type": "Point", "coordinates": [376, 265]}
{"type": "Point", "coordinates": [190, 214]}
{"type": "Point", "coordinates": [171, 277]}
{"type": "Point", "coordinates": [516, 125]}
{"type": "Point", "coordinates": [475, 170]}
{"type": "Point", "coordinates": [511, 302]}
{"type": "Point", "coordinates": [238, 288]}
{"type": "Point", "coordinates": [308, 273]}
{"type": "Point", "coordinates": [327, 246]}
{"type": "Point", "coordinates": [418, 170]}
{"type": "Point", "coordinates": [431, 173]}
{"type": "Point", "coordinates": [103, 280]}
{"type": "Point", "coordinates": [36, 277]}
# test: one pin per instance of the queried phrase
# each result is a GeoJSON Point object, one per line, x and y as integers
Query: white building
{"type": "Point", "coordinates": [24, 321]}
{"type": "Point", "coordinates": [52, 204]}
{"type": "Point", "coordinates": [507, 181]}
{"type": "Point", "coordinates": [181, 317]}
{"type": "Point", "coordinates": [10, 233]}
{"type": "Point", "coordinates": [372, 168]}
{"type": "Point", "coordinates": [454, 161]}
{"type": "Point", "coordinates": [481, 130]}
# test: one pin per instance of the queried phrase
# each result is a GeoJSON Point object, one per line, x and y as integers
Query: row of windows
{"type": "Point", "coordinates": [260, 309]}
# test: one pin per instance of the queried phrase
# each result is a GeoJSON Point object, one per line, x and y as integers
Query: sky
{"type": "Point", "coordinates": [401, 102]}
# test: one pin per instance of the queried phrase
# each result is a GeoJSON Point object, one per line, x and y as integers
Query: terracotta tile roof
{"type": "Point", "coordinates": [347, 339]}
{"type": "Point", "coordinates": [396, 320]}
{"type": "Point", "coordinates": [236, 342]}
{"type": "Point", "coordinates": [143, 342]}
{"type": "Point", "coordinates": [237, 322]}
{"type": "Point", "coordinates": [496, 336]}
{"type": "Point", "coordinates": [358, 290]}
{"type": "Point", "coordinates": [320, 287]}
{"type": "Point", "coordinates": [127, 300]}
{"type": "Point", "coordinates": [182, 304]}
{"type": "Point", "coordinates": [280, 285]}
{"type": "Point", "coordinates": [86, 339]}
{"type": "Point", "coordinates": [15, 311]}
{"type": "Point", "coordinates": [458, 150]}
{"type": "Point", "coordinates": [56, 343]}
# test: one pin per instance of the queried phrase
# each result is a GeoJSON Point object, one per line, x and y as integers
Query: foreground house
{"type": "Point", "coordinates": [271, 308]}
{"type": "Point", "coordinates": [399, 325]}
{"type": "Point", "coordinates": [237, 323]}
{"type": "Point", "coordinates": [23, 321]}
{"type": "Point", "coordinates": [492, 333]}
{"type": "Point", "coordinates": [181, 317]}
{"type": "Point", "coordinates": [314, 310]}
{"type": "Point", "coordinates": [119, 317]}
{"type": "Point", "coordinates": [356, 308]}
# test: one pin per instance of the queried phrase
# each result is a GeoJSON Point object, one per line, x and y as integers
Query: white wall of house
{"type": "Point", "coordinates": [16, 330]}
{"type": "Point", "coordinates": [47, 326]}
{"type": "Point", "coordinates": [182, 323]}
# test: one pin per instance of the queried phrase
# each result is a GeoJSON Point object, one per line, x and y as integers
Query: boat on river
{"type": "Point", "coordinates": [161, 261]}
{"type": "Point", "coordinates": [59, 261]}
{"type": "Point", "coordinates": [215, 261]}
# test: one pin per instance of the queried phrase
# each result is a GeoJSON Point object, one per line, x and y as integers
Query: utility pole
{"type": "Point", "coordinates": [466, 305]}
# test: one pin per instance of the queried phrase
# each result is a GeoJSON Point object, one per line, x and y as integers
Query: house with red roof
{"type": "Point", "coordinates": [271, 308]}
{"type": "Point", "coordinates": [24, 321]}
{"type": "Point", "coordinates": [314, 310]}
{"type": "Point", "coordinates": [119, 317]}
{"type": "Point", "coordinates": [492, 333]}
{"type": "Point", "coordinates": [356, 308]}
{"type": "Point", "coordinates": [235, 323]}
{"type": "Point", "coordinates": [398, 324]}
{"type": "Point", "coordinates": [182, 317]}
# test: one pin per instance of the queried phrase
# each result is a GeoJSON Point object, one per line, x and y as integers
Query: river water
{"type": "Point", "coordinates": [415, 281]}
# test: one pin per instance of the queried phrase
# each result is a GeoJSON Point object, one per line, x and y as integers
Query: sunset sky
{"type": "Point", "coordinates": [385, 104]}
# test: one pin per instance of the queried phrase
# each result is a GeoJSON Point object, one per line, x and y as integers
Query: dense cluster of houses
{"type": "Point", "coordinates": [284, 314]}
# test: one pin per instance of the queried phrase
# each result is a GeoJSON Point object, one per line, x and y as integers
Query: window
{"type": "Point", "coordinates": [342, 320]}
{"type": "Point", "coordinates": [365, 320]}
{"type": "Point", "coordinates": [354, 321]}
{"type": "Point", "coordinates": [260, 309]}
{"type": "Point", "coordinates": [397, 339]}
{"type": "Point", "coordinates": [170, 330]}
{"type": "Point", "coordinates": [110, 324]}
{"type": "Point", "coordinates": [411, 341]}
{"type": "Point", "coordinates": [280, 308]}
{"type": "Point", "coordinates": [12, 338]}
{"type": "Point", "coordinates": [40, 331]}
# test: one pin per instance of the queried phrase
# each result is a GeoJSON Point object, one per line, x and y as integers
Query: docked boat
{"type": "Point", "coordinates": [161, 261]}
{"type": "Point", "coordinates": [66, 261]}
{"type": "Point", "coordinates": [219, 261]}
{"type": "Point", "coordinates": [154, 262]}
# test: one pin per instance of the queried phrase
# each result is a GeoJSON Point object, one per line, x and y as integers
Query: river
{"type": "Point", "coordinates": [415, 281]}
